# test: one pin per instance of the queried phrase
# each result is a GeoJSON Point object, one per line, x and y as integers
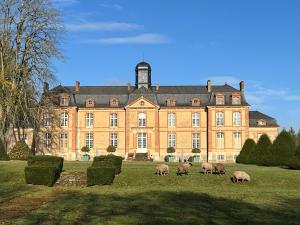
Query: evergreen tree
{"type": "Point", "coordinates": [282, 150]}
{"type": "Point", "coordinates": [298, 137]}
{"type": "Point", "coordinates": [3, 155]}
{"type": "Point", "coordinates": [293, 134]}
{"type": "Point", "coordinates": [246, 151]}
{"type": "Point", "coordinates": [261, 151]}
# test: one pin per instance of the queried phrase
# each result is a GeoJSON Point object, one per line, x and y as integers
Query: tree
{"type": "Point", "coordinates": [293, 134]}
{"type": "Point", "coordinates": [30, 33]}
{"type": "Point", "coordinates": [282, 150]}
{"type": "Point", "coordinates": [298, 137]}
{"type": "Point", "coordinates": [246, 151]}
{"type": "Point", "coordinates": [3, 154]}
{"type": "Point", "coordinates": [262, 149]}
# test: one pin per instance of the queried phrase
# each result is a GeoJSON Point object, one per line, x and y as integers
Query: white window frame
{"type": "Point", "coordinates": [236, 117]}
{"type": "Point", "coordinates": [196, 140]}
{"type": "Point", "coordinates": [63, 141]}
{"type": "Point", "coordinates": [220, 119]}
{"type": "Point", "coordinates": [47, 120]}
{"type": "Point", "coordinates": [89, 140]}
{"type": "Point", "coordinates": [113, 140]}
{"type": "Point", "coordinates": [196, 120]}
{"type": "Point", "coordinates": [172, 140]}
{"type": "Point", "coordinates": [220, 140]}
{"type": "Point", "coordinates": [89, 120]}
{"type": "Point", "coordinates": [64, 119]}
{"type": "Point", "coordinates": [47, 140]}
{"type": "Point", "coordinates": [142, 140]}
{"type": "Point", "coordinates": [142, 120]}
{"type": "Point", "coordinates": [220, 100]}
{"type": "Point", "coordinates": [171, 119]}
{"type": "Point", "coordinates": [237, 140]}
{"type": "Point", "coordinates": [220, 157]}
{"type": "Point", "coordinates": [113, 120]}
{"type": "Point", "coordinates": [64, 100]}
{"type": "Point", "coordinates": [236, 100]}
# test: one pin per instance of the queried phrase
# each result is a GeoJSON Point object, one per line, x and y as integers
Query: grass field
{"type": "Point", "coordinates": [139, 197]}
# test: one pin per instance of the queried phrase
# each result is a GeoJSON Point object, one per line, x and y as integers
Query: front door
{"type": "Point", "coordinates": [141, 143]}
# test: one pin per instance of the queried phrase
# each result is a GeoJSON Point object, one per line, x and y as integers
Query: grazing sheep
{"type": "Point", "coordinates": [219, 168]}
{"type": "Point", "coordinates": [240, 176]}
{"type": "Point", "coordinates": [162, 169]}
{"type": "Point", "coordinates": [207, 167]}
{"type": "Point", "coordinates": [183, 168]}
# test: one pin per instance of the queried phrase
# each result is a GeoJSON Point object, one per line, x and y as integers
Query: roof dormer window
{"type": "Point", "coordinates": [64, 100]}
{"type": "Point", "coordinates": [220, 99]}
{"type": "Point", "coordinates": [90, 103]}
{"type": "Point", "coordinates": [171, 102]}
{"type": "Point", "coordinates": [236, 99]}
{"type": "Point", "coordinates": [114, 102]}
{"type": "Point", "coordinates": [195, 102]}
{"type": "Point", "coordinates": [261, 122]}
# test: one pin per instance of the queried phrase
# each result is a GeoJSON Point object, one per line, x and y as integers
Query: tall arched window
{"type": "Point", "coordinates": [89, 120]}
{"type": "Point", "coordinates": [220, 118]}
{"type": "Point", "coordinates": [142, 119]}
{"type": "Point", "coordinates": [63, 140]}
{"type": "Point", "coordinates": [236, 118]}
{"type": "Point", "coordinates": [220, 140]}
{"type": "Point", "coordinates": [64, 119]}
{"type": "Point", "coordinates": [113, 120]}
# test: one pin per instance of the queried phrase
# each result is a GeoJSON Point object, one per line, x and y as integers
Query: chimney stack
{"type": "Point", "coordinates": [157, 87]}
{"type": "Point", "coordinates": [209, 85]}
{"type": "Point", "coordinates": [46, 87]}
{"type": "Point", "coordinates": [128, 87]}
{"type": "Point", "coordinates": [242, 86]}
{"type": "Point", "coordinates": [77, 86]}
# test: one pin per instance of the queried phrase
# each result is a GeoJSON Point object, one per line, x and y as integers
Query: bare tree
{"type": "Point", "coordinates": [30, 34]}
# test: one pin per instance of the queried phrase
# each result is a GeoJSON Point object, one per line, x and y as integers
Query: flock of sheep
{"type": "Point", "coordinates": [216, 168]}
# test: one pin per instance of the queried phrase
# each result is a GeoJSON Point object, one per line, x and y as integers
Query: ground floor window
{"type": "Point", "coordinates": [237, 140]}
{"type": "Point", "coordinates": [89, 140]}
{"type": "Point", "coordinates": [220, 140]}
{"type": "Point", "coordinates": [142, 140]}
{"type": "Point", "coordinates": [196, 141]}
{"type": "Point", "coordinates": [172, 140]}
{"type": "Point", "coordinates": [220, 157]}
{"type": "Point", "coordinates": [114, 140]}
{"type": "Point", "coordinates": [47, 140]}
{"type": "Point", "coordinates": [63, 140]}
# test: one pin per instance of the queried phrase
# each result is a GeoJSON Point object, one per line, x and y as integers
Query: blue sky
{"type": "Point", "coordinates": [188, 42]}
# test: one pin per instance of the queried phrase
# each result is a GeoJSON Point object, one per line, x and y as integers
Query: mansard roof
{"type": "Point", "coordinates": [256, 116]}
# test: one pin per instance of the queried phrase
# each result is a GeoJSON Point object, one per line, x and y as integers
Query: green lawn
{"type": "Point", "coordinates": [140, 197]}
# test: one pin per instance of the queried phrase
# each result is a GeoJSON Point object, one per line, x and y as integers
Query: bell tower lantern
{"type": "Point", "coordinates": [143, 75]}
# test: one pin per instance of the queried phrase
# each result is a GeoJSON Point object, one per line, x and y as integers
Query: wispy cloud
{"type": "Point", "coordinates": [111, 6]}
{"type": "Point", "coordinates": [147, 38]}
{"type": "Point", "coordinates": [103, 26]}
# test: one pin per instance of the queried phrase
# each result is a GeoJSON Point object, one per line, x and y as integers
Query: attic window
{"type": "Point", "coordinates": [236, 99]}
{"type": "Point", "coordinates": [90, 103]}
{"type": "Point", "coordinates": [261, 122]}
{"type": "Point", "coordinates": [195, 102]}
{"type": "Point", "coordinates": [220, 100]}
{"type": "Point", "coordinates": [171, 102]}
{"type": "Point", "coordinates": [142, 103]}
{"type": "Point", "coordinates": [114, 102]}
{"type": "Point", "coordinates": [64, 100]}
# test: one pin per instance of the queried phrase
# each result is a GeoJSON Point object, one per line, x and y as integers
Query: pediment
{"type": "Point", "coordinates": [142, 102]}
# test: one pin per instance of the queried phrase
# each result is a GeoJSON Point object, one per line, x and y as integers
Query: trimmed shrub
{"type": "Point", "coordinates": [41, 175]}
{"type": "Point", "coordinates": [3, 154]}
{"type": "Point", "coordinates": [111, 149]}
{"type": "Point", "coordinates": [246, 151]}
{"type": "Point", "coordinates": [20, 151]}
{"type": "Point", "coordinates": [46, 160]}
{"type": "Point", "coordinates": [294, 164]}
{"type": "Point", "coordinates": [100, 175]}
{"type": "Point", "coordinates": [282, 150]}
{"type": "Point", "coordinates": [262, 150]}
{"type": "Point", "coordinates": [109, 160]}
{"type": "Point", "coordinates": [85, 149]}
{"type": "Point", "coordinates": [170, 150]}
{"type": "Point", "coordinates": [196, 150]}
{"type": "Point", "coordinates": [141, 157]}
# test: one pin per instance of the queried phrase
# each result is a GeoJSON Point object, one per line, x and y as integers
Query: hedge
{"type": "Point", "coordinates": [20, 151]}
{"type": "Point", "coordinates": [41, 175]}
{"type": "Point", "coordinates": [46, 160]}
{"type": "Point", "coordinates": [109, 160]}
{"type": "Point", "coordinates": [100, 175]}
{"type": "Point", "coordinates": [3, 154]}
{"type": "Point", "coordinates": [141, 157]}
{"type": "Point", "coordinates": [293, 164]}
{"type": "Point", "coordinates": [246, 152]}
{"type": "Point", "coordinates": [262, 150]}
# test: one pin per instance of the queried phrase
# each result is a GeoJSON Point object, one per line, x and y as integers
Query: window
{"type": "Point", "coordinates": [195, 120]}
{"type": "Point", "coordinates": [89, 140]}
{"type": "Point", "coordinates": [64, 100]}
{"type": "Point", "coordinates": [171, 119]}
{"type": "Point", "coordinates": [220, 140]}
{"type": "Point", "coordinates": [220, 118]}
{"type": "Point", "coordinates": [142, 103]}
{"type": "Point", "coordinates": [261, 122]}
{"type": "Point", "coordinates": [220, 157]}
{"type": "Point", "coordinates": [64, 119]}
{"type": "Point", "coordinates": [47, 119]}
{"type": "Point", "coordinates": [89, 120]}
{"type": "Point", "coordinates": [237, 140]}
{"type": "Point", "coordinates": [171, 102]}
{"type": "Point", "coordinates": [236, 100]}
{"type": "Point", "coordinates": [113, 139]}
{"type": "Point", "coordinates": [90, 103]}
{"type": "Point", "coordinates": [196, 141]}
{"type": "Point", "coordinates": [220, 100]}
{"type": "Point", "coordinates": [142, 120]}
{"type": "Point", "coordinates": [114, 102]}
{"type": "Point", "coordinates": [142, 140]}
{"type": "Point", "coordinates": [47, 140]}
{"type": "Point", "coordinates": [236, 119]}
{"type": "Point", "coordinates": [63, 140]}
{"type": "Point", "coordinates": [172, 140]}
{"type": "Point", "coordinates": [113, 119]}
{"type": "Point", "coordinates": [23, 137]}
{"type": "Point", "coordinates": [195, 102]}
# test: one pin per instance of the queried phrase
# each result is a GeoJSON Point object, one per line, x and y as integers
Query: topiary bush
{"type": "Point", "coordinates": [196, 150]}
{"type": "Point", "coordinates": [262, 150]}
{"type": "Point", "coordinates": [141, 157]}
{"type": "Point", "coordinates": [46, 160]}
{"type": "Point", "coordinates": [41, 175]}
{"type": "Point", "coordinates": [85, 149]}
{"type": "Point", "coordinates": [3, 154]}
{"type": "Point", "coordinates": [109, 160]}
{"type": "Point", "coordinates": [246, 151]}
{"type": "Point", "coordinates": [20, 151]}
{"type": "Point", "coordinates": [111, 149]}
{"type": "Point", "coordinates": [170, 150]}
{"type": "Point", "coordinates": [100, 175]}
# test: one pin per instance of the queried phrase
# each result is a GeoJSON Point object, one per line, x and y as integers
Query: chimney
{"type": "Point", "coordinates": [157, 87]}
{"type": "Point", "coordinates": [46, 87]}
{"type": "Point", "coordinates": [128, 87]}
{"type": "Point", "coordinates": [209, 85]}
{"type": "Point", "coordinates": [77, 86]}
{"type": "Point", "coordinates": [242, 86]}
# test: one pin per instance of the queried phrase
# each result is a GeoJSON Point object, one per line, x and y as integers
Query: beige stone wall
{"type": "Point", "coordinates": [255, 132]}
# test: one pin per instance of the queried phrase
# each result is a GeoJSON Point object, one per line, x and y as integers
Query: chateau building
{"type": "Point", "coordinates": [147, 118]}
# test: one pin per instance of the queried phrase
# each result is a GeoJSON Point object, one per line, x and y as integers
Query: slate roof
{"type": "Point", "coordinates": [255, 116]}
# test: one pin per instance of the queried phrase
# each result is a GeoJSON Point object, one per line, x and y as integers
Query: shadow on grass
{"type": "Point", "coordinates": [154, 207]}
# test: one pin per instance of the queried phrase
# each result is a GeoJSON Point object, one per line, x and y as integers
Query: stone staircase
{"type": "Point", "coordinates": [68, 179]}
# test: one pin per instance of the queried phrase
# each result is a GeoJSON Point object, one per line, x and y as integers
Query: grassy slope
{"type": "Point", "coordinates": [139, 197]}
